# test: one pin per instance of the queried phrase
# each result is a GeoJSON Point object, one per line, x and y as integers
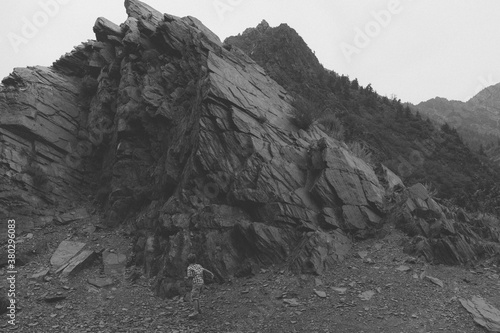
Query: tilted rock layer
{"type": "Point", "coordinates": [187, 141]}
{"type": "Point", "coordinates": [190, 143]}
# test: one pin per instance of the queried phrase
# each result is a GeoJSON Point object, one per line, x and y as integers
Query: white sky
{"type": "Point", "coordinates": [416, 50]}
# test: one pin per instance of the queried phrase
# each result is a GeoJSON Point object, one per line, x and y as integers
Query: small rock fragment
{"type": "Point", "coordinates": [291, 301]}
{"type": "Point", "coordinates": [78, 214]}
{"type": "Point", "coordinates": [367, 295]}
{"type": "Point", "coordinates": [51, 298]}
{"type": "Point", "coordinates": [411, 260]}
{"type": "Point", "coordinates": [435, 281]}
{"type": "Point", "coordinates": [341, 291]}
{"type": "Point", "coordinates": [78, 262]}
{"type": "Point", "coordinates": [320, 293]}
{"type": "Point", "coordinates": [403, 268]}
{"type": "Point", "coordinates": [362, 254]}
{"type": "Point", "coordinates": [114, 263]}
{"type": "Point", "coordinates": [64, 252]}
{"type": "Point", "coordinates": [40, 275]}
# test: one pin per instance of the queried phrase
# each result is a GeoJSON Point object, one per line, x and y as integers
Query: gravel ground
{"type": "Point", "coordinates": [377, 289]}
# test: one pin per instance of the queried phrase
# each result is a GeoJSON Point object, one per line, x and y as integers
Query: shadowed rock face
{"type": "Point", "coordinates": [188, 142]}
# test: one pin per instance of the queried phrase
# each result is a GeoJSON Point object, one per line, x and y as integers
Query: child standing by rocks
{"type": "Point", "coordinates": [195, 272]}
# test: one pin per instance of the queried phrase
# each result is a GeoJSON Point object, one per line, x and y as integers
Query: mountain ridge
{"type": "Point", "coordinates": [405, 142]}
{"type": "Point", "coordinates": [477, 120]}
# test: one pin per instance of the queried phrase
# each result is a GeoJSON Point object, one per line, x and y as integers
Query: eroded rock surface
{"type": "Point", "coordinates": [189, 142]}
{"type": "Point", "coordinates": [442, 234]}
{"type": "Point", "coordinates": [483, 313]}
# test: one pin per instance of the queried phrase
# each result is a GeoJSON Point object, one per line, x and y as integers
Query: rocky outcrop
{"type": "Point", "coordinates": [246, 185]}
{"type": "Point", "coordinates": [190, 144]}
{"type": "Point", "coordinates": [43, 117]}
{"type": "Point", "coordinates": [441, 234]}
{"type": "Point", "coordinates": [483, 313]}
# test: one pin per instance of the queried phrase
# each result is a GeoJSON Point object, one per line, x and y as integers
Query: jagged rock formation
{"type": "Point", "coordinates": [442, 234]}
{"type": "Point", "coordinates": [194, 147]}
{"type": "Point", "coordinates": [40, 122]}
{"type": "Point", "coordinates": [356, 114]}
{"type": "Point", "coordinates": [189, 142]}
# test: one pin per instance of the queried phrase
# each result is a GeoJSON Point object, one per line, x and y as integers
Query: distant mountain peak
{"type": "Point", "coordinates": [477, 120]}
{"type": "Point", "coordinates": [490, 92]}
{"type": "Point", "coordinates": [263, 25]}
{"type": "Point", "coordinates": [261, 28]}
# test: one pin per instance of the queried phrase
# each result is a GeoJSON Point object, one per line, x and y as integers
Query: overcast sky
{"type": "Point", "coordinates": [415, 50]}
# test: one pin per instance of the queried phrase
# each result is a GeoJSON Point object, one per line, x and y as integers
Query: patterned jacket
{"type": "Point", "coordinates": [196, 272]}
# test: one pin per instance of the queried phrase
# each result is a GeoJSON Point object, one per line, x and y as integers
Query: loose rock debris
{"type": "Point", "coordinates": [484, 314]}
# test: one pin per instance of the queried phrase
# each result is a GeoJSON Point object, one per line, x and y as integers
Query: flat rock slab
{"type": "Point", "coordinates": [403, 268]}
{"type": "Point", "coordinates": [78, 262]}
{"type": "Point", "coordinates": [419, 191]}
{"type": "Point", "coordinates": [77, 214]}
{"type": "Point", "coordinates": [64, 252]}
{"type": "Point", "coordinates": [340, 290]}
{"type": "Point", "coordinates": [89, 230]}
{"type": "Point", "coordinates": [51, 298]}
{"type": "Point", "coordinates": [320, 293]}
{"type": "Point", "coordinates": [291, 301]}
{"type": "Point", "coordinates": [40, 274]}
{"type": "Point", "coordinates": [101, 282]}
{"type": "Point", "coordinates": [362, 254]}
{"type": "Point", "coordinates": [114, 263]}
{"type": "Point", "coordinates": [434, 280]}
{"type": "Point", "coordinates": [484, 314]}
{"type": "Point", "coordinates": [367, 295]}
